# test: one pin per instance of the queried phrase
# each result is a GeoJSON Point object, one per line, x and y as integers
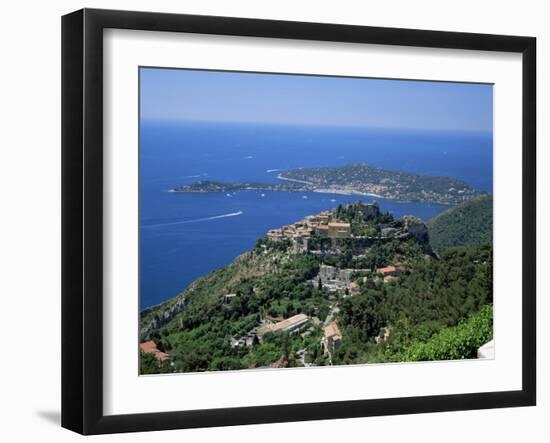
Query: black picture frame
{"type": "Point", "coordinates": [82, 220]}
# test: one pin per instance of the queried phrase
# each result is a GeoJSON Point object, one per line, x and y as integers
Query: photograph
{"type": "Point", "coordinates": [291, 220]}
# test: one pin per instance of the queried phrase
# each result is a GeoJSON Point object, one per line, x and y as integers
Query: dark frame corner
{"type": "Point", "coordinates": [82, 132]}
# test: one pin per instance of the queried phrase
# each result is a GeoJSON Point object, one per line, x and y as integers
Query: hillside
{"type": "Point", "coordinates": [470, 223]}
{"type": "Point", "coordinates": [358, 285]}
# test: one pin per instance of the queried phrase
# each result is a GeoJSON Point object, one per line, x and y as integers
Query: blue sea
{"type": "Point", "coordinates": [184, 236]}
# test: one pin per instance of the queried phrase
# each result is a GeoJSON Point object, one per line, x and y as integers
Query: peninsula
{"type": "Point", "coordinates": [354, 179]}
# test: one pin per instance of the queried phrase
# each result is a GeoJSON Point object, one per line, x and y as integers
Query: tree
{"type": "Point", "coordinates": [285, 345]}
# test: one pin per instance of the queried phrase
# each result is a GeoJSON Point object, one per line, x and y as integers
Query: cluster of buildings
{"type": "Point", "coordinates": [150, 347]}
{"type": "Point", "coordinates": [323, 225]}
{"type": "Point", "coordinates": [336, 280]}
{"type": "Point", "coordinates": [246, 340]}
{"type": "Point", "coordinates": [332, 337]}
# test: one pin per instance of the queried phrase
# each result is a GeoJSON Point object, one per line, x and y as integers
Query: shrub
{"type": "Point", "coordinates": [459, 342]}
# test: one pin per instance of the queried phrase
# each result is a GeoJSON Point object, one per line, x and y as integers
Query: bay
{"type": "Point", "coordinates": [184, 236]}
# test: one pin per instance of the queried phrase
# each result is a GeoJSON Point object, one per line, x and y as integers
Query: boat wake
{"type": "Point", "coordinates": [195, 220]}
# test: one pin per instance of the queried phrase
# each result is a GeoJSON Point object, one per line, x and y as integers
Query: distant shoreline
{"type": "Point", "coordinates": [358, 179]}
{"type": "Point", "coordinates": [318, 191]}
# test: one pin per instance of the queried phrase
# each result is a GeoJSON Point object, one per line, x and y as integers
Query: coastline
{"type": "Point", "coordinates": [319, 191]}
{"type": "Point", "coordinates": [329, 190]}
{"type": "Point", "coordinates": [402, 186]}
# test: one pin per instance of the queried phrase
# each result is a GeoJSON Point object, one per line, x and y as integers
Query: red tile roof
{"type": "Point", "coordinates": [387, 270]}
{"type": "Point", "coordinates": [148, 346]}
{"type": "Point", "coordinates": [333, 331]}
{"type": "Point", "coordinates": [289, 322]}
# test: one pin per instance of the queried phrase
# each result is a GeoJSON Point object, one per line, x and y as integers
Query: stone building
{"type": "Point", "coordinates": [291, 324]}
{"type": "Point", "coordinates": [339, 230]}
{"type": "Point", "coordinates": [332, 337]}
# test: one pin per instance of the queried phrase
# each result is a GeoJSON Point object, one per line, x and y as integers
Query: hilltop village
{"type": "Point", "coordinates": [326, 234]}
{"type": "Point", "coordinates": [366, 219]}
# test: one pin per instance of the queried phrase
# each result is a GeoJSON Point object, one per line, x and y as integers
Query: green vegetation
{"type": "Point", "coordinates": [148, 364]}
{"type": "Point", "coordinates": [266, 281]}
{"type": "Point", "coordinates": [363, 223]}
{"type": "Point", "coordinates": [434, 294]}
{"type": "Point", "coordinates": [454, 343]}
{"type": "Point", "coordinates": [470, 223]}
{"type": "Point", "coordinates": [437, 307]}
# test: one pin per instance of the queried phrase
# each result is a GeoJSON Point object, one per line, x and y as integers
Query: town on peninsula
{"type": "Point", "coordinates": [356, 179]}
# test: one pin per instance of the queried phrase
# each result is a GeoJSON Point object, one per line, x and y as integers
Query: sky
{"type": "Point", "coordinates": [217, 96]}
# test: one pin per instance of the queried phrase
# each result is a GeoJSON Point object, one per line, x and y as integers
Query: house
{"type": "Point", "coordinates": [290, 324]}
{"type": "Point", "coordinates": [388, 270]}
{"type": "Point", "coordinates": [275, 234]}
{"type": "Point", "coordinates": [150, 347]}
{"type": "Point", "coordinates": [321, 230]}
{"type": "Point", "coordinates": [327, 272]}
{"type": "Point", "coordinates": [288, 230]}
{"type": "Point", "coordinates": [332, 337]}
{"type": "Point", "coordinates": [246, 340]}
{"type": "Point", "coordinates": [334, 285]}
{"type": "Point", "coordinates": [303, 232]}
{"type": "Point", "coordinates": [339, 230]}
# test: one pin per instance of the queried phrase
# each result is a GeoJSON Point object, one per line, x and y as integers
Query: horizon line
{"type": "Point", "coordinates": [268, 123]}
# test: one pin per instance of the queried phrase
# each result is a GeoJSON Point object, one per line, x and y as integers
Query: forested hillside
{"type": "Point", "coordinates": [433, 295]}
{"type": "Point", "coordinates": [470, 223]}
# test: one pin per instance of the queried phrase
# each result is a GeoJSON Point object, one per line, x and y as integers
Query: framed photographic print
{"type": "Point", "coordinates": [269, 221]}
